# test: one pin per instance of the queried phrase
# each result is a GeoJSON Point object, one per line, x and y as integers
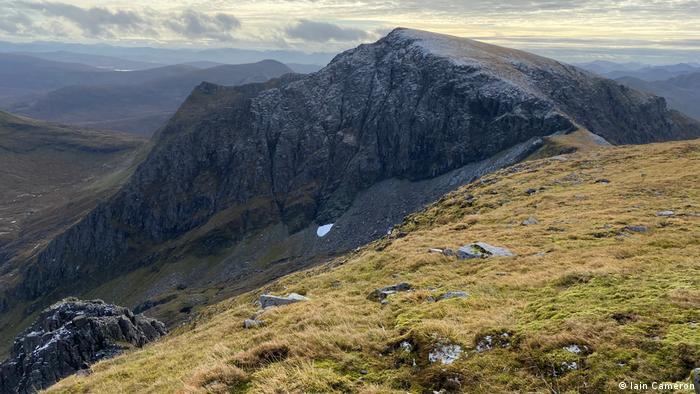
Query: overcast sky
{"type": "Point", "coordinates": [649, 30]}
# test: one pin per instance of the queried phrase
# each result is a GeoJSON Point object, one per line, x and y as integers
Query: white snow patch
{"type": "Point", "coordinates": [323, 230]}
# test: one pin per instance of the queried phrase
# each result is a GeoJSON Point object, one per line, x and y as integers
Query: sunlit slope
{"type": "Point", "coordinates": [605, 288]}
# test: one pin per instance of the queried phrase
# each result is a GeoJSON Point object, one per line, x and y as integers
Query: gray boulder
{"type": "Point", "coordinates": [252, 323]}
{"type": "Point", "coordinates": [665, 213]}
{"type": "Point", "coordinates": [384, 292]}
{"type": "Point", "coordinates": [529, 221]}
{"type": "Point", "coordinates": [69, 336]}
{"type": "Point", "coordinates": [268, 301]}
{"type": "Point", "coordinates": [482, 250]}
{"type": "Point", "coordinates": [453, 294]}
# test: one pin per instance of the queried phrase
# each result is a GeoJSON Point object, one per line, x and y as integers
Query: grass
{"type": "Point", "coordinates": [628, 301]}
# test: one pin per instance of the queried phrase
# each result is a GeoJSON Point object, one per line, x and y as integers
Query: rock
{"type": "Point", "coordinates": [637, 229]}
{"type": "Point", "coordinates": [268, 301]}
{"type": "Point", "coordinates": [529, 221]}
{"type": "Point", "coordinates": [530, 191]}
{"type": "Point", "coordinates": [482, 250]}
{"type": "Point", "coordinates": [665, 213]}
{"type": "Point", "coordinates": [573, 348]}
{"type": "Point", "coordinates": [384, 292]}
{"type": "Point", "coordinates": [695, 379]}
{"type": "Point", "coordinates": [445, 353]}
{"type": "Point", "coordinates": [453, 294]}
{"type": "Point", "coordinates": [603, 181]}
{"type": "Point", "coordinates": [69, 336]}
{"type": "Point", "coordinates": [252, 323]}
{"type": "Point", "coordinates": [494, 340]}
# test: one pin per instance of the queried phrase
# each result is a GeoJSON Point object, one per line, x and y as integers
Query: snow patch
{"type": "Point", "coordinates": [323, 230]}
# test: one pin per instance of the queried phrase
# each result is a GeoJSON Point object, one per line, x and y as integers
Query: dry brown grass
{"type": "Point", "coordinates": [629, 299]}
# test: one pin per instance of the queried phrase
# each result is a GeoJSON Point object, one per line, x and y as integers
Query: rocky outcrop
{"type": "Point", "coordinates": [301, 150]}
{"type": "Point", "coordinates": [482, 250]}
{"type": "Point", "coordinates": [269, 301]}
{"type": "Point", "coordinates": [384, 292]}
{"type": "Point", "coordinates": [69, 336]}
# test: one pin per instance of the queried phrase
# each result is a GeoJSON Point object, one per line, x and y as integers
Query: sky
{"type": "Point", "coordinates": [653, 31]}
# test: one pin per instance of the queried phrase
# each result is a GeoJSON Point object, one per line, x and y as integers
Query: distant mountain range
{"type": "Point", "coordinates": [681, 92]}
{"type": "Point", "coordinates": [679, 84]}
{"type": "Point", "coordinates": [138, 101]}
{"type": "Point", "coordinates": [639, 70]}
{"type": "Point", "coordinates": [139, 56]}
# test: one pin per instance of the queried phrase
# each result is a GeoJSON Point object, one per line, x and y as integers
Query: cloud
{"type": "Point", "coordinates": [193, 24]}
{"type": "Point", "coordinates": [93, 21]}
{"type": "Point", "coordinates": [323, 32]}
{"type": "Point", "coordinates": [15, 23]}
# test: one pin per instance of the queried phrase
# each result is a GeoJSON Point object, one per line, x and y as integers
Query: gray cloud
{"type": "Point", "coordinates": [94, 21]}
{"type": "Point", "coordinates": [193, 24]}
{"type": "Point", "coordinates": [323, 32]}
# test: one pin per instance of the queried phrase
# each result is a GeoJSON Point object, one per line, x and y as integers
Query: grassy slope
{"type": "Point", "coordinates": [630, 300]}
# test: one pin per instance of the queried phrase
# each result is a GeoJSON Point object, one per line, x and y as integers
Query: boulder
{"type": "Point", "coordinates": [252, 323]}
{"type": "Point", "coordinates": [482, 250]}
{"type": "Point", "coordinates": [529, 221]}
{"type": "Point", "coordinates": [637, 229]}
{"type": "Point", "coordinates": [268, 301]}
{"type": "Point", "coordinates": [453, 294]}
{"type": "Point", "coordinates": [384, 292]}
{"type": "Point", "coordinates": [69, 336]}
{"type": "Point", "coordinates": [665, 213]}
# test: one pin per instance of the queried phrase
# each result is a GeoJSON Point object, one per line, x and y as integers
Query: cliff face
{"type": "Point", "coordinates": [298, 150]}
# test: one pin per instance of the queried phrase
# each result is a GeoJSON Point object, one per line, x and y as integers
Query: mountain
{"type": "Point", "coordinates": [602, 67]}
{"type": "Point", "coordinates": [35, 74]}
{"type": "Point", "coordinates": [602, 288]}
{"type": "Point", "coordinates": [681, 92]}
{"type": "Point", "coordinates": [171, 55]}
{"type": "Point", "coordinates": [142, 106]}
{"type": "Point", "coordinates": [243, 183]}
{"type": "Point", "coordinates": [51, 176]}
{"type": "Point", "coordinates": [639, 71]}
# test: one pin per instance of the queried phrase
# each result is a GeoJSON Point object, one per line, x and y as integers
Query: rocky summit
{"type": "Point", "coordinates": [240, 179]}
{"type": "Point", "coordinates": [69, 336]}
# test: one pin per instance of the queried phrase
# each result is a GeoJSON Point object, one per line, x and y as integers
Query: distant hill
{"type": "Point", "coordinates": [108, 63]}
{"type": "Point", "coordinates": [139, 107]}
{"type": "Point", "coordinates": [681, 92]}
{"type": "Point", "coordinates": [638, 70]}
{"type": "Point", "coordinates": [36, 74]}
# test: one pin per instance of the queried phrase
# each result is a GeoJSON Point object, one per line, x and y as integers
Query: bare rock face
{"type": "Point", "coordinates": [69, 336]}
{"type": "Point", "coordinates": [299, 150]}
